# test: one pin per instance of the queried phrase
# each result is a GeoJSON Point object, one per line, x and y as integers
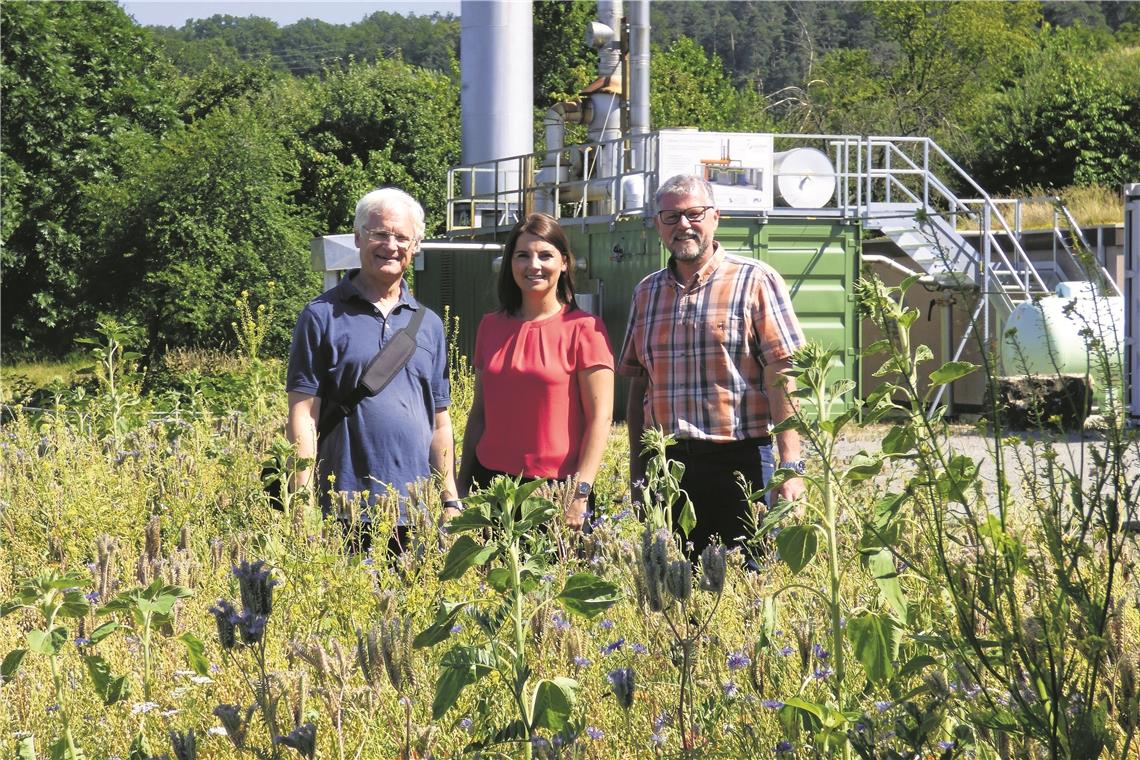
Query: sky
{"type": "Point", "coordinates": [176, 12]}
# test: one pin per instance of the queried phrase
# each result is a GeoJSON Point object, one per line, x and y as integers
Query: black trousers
{"type": "Point", "coordinates": [719, 500]}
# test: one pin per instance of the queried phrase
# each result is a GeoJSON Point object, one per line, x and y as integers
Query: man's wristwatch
{"type": "Point", "coordinates": [583, 490]}
{"type": "Point", "coordinates": [455, 504]}
{"type": "Point", "coordinates": [795, 465]}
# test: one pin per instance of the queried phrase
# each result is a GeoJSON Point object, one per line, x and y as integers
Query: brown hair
{"type": "Point", "coordinates": [547, 229]}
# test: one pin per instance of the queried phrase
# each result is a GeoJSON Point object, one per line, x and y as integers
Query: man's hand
{"type": "Point", "coordinates": [451, 510]}
{"type": "Point", "coordinates": [791, 489]}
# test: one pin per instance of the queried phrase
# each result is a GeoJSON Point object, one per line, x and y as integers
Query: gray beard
{"type": "Point", "coordinates": [702, 248]}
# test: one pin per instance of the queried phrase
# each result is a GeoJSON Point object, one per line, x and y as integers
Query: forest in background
{"type": "Point", "coordinates": [155, 174]}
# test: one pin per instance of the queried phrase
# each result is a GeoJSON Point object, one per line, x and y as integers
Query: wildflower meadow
{"type": "Point", "coordinates": [156, 605]}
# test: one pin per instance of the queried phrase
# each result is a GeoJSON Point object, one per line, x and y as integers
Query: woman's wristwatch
{"type": "Point", "coordinates": [455, 504]}
{"type": "Point", "coordinates": [795, 465]}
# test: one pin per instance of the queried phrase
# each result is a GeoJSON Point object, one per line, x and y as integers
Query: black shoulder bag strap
{"type": "Point", "coordinates": [388, 361]}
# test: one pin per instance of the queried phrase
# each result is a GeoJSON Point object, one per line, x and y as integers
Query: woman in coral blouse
{"type": "Point", "coordinates": [544, 373]}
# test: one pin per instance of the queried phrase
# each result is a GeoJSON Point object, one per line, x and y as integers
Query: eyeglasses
{"type": "Point", "coordinates": [694, 214]}
{"type": "Point", "coordinates": [385, 237]}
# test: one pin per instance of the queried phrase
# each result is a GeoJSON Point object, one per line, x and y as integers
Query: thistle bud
{"type": "Point", "coordinates": [225, 615]}
{"type": "Point", "coordinates": [679, 579]}
{"type": "Point", "coordinates": [232, 722]}
{"type": "Point", "coordinates": [184, 745]}
{"type": "Point", "coordinates": [303, 739]}
{"type": "Point", "coordinates": [256, 587]}
{"type": "Point", "coordinates": [713, 568]}
{"type": "Point", "coordinates": [622, 684]}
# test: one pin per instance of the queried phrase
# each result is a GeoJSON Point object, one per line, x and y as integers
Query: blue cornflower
{"type": "Point", "coordinates": [660, 722]}
{"type": "Point", "coordinates": [783, 747]}
{"type": "Point", "coordinates": [883, 705]}
{"type": "Point", "coordinates": [92, 596]}
{"type": "Point", "coordinates": [771, 704]}
{"type": "Point", "coordinates": [819, 652]}
{"type": "Point", "coordinates": [457, 628]}
{"type": "Point", "coordinates": [82, 641]}
{"type": "Point", "coordinates": [582, 662]}
{"type": "Point", "coordinates": [466, 724]}
{"type": "Point", "coordinates": [560, 623]}
{"type": "Point", "coordinates": [638, 648]}
{"type": "Point", "coordinates": [945, 745]}
{"type": "Point", "coordinates": [730, 689]}
{"type": "Point", "coordinates": [738, 660]}
{"type": "Point", "coordinates": [823, 673]}
{"type": "Point", "coordinates": [607, 624]}
{"type": "Point", "coordinates": [786, 650]}
{"type": "Point", "coordinates": [613, 646]}
{"type": "Point", "coordinates": [594, 733]}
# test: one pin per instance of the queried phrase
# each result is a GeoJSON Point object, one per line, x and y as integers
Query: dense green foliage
{"type": "Point", "coordinates": [155, 174]}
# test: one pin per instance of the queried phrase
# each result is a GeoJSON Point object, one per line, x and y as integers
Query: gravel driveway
{"type": "Point", "coordinates": [1073, 454]}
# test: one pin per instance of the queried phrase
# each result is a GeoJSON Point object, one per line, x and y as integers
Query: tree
{"type": "Point", "coordinates": [690, 88]}
{"type": "Point", "coordinates": [74, 76]}
{"type": "Point", "coordinates": [1073, 118]}
{"type": "Point", "coordinates": [382, 123]}
{"type": "Point", "coordinates": [563, 64]}
{"type": "Point", "coordinates": [198, 218]}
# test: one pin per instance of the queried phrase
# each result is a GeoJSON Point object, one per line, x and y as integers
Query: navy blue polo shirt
{"type": "Point", "coordinates": [385, 440]}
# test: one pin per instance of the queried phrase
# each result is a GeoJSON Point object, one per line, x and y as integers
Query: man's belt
{"type": "Point", "coordinates": [699, 446]}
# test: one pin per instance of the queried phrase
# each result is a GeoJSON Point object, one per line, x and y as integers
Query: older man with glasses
{"type": "Point", "coordinates": [708, 339]}
{"type": "Point", "coordinates": [379, 441]}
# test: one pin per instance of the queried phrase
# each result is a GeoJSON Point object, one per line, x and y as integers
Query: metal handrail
{"type": "Point", "coordinates": [1105, 276]}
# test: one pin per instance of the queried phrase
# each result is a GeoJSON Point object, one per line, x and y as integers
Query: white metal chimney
{"type": "Point", "coordinates": [496, 48]}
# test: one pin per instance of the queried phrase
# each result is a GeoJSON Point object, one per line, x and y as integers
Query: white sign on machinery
{"type": "Point", "coordinates": [1132, 299]}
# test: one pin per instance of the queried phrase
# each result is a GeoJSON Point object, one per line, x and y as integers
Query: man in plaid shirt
{"type": "Point", "coordinates": [708, 338]}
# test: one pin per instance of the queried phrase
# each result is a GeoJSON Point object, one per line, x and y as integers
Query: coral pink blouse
{"type": "Point", "coordinates": [532, 408]}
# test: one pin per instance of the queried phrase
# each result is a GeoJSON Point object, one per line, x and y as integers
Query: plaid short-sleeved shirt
{"type": "Point", "coordinates": [703, 346]}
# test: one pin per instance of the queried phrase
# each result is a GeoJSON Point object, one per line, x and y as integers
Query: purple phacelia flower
{"type": "Point", "coordinates": [738, 660]}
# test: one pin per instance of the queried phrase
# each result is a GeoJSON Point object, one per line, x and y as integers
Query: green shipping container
{"type": "Point", "coordinates": [819, 259]}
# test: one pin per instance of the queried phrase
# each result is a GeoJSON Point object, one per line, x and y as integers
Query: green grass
{"type": "Point", "coordinates": [19, 378]}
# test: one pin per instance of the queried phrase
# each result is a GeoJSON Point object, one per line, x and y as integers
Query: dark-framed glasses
{"type": "Point", "coordinates": [673, 215]}
{"type": "Point", "coordinates": [385, 237]}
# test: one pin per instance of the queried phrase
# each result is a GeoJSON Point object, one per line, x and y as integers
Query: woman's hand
{"type": "Point", "coordinates": [576, 512]}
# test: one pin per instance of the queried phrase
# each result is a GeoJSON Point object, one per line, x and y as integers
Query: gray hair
{"type": "Point", "coordinates": [685, 184]}
{"type": "Point", "coordinates": [379, 201]}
